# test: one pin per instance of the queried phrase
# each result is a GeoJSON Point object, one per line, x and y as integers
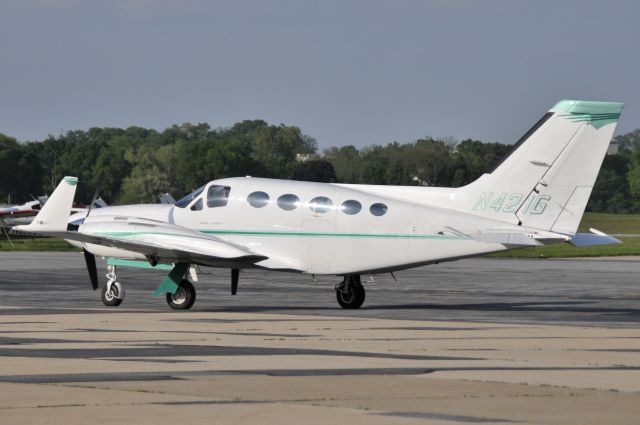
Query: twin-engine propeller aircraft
{"type": "Point", "coordinates": [536, 196]}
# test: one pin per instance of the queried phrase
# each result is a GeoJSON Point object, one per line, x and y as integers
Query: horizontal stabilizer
{"type": "Point", "coordinates": [519, 239]}
{"type": "Point", "coordinates": [594, 238]}
{"type": "Point", "coordinates": [513, 237]}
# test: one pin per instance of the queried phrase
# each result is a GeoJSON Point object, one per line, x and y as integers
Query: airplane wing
{"type": "Point", "coordinates": [163, 243]}
{"type": "Point", "coordinates": [156, 241]}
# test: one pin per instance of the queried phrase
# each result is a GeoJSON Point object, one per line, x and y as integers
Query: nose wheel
{"type": "Point", "coordinates": [350, 292]}
{"type": "Point", "coordinates": [112, 296]}
{"type": "Point", "coordinates": [113, 291]}
{"type": "Point", "coordinates": [184, 297]}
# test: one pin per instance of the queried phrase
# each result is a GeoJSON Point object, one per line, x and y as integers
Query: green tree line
{"type": "Point", "coordinates": [137, 164]}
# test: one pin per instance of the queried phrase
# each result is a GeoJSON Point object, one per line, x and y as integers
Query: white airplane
{"type": "Point", "coordinates": [535, 197]}
{"type": "Point", "coordinates": [12, 215]}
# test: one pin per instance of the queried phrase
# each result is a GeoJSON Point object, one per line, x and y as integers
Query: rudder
{"type": "Point", "coordinates": [546, 181]}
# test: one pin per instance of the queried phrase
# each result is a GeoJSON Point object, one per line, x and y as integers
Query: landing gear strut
{"type": "Point", "coordinates": [350, 292]}
{"type": "Point", "coordinates": [113, 291]}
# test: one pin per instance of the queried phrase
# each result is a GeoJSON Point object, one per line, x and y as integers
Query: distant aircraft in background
{"type": "Point", "coordinates": [15, 215]}
{"type": "Point", "coordinates": [167, 199]}
{"type": "Point", "coordinates": [20, 214]}
{"type": "Point", "coordinates": [535, 197]}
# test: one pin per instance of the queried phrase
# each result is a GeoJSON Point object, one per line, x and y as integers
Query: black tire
{"type": "Point", "coordinates": [352, 299]}
{"type": "Point", "coordinates": [111, 300]}
{"type": "Point", "coordinates": [184, 297]}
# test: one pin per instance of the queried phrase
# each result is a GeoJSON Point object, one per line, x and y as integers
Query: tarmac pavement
{"type": "Point", "coordinates": [475, 341]}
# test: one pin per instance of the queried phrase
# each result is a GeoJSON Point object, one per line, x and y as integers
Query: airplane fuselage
{"type": "Point", "coordinates": [315, 228]}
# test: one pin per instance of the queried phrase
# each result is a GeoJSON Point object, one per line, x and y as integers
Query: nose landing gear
{"type": "Point", "coordinates": [350, 293]}
{"type": "Point", "coordinates": [113, 291]}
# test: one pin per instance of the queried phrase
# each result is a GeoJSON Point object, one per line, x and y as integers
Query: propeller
{"type": "Point", "coordinates": [235, 275]}
{"type": "Point", "coordinates": [93, 201]}
{"type": "Point", "coordinates": [90, 259]}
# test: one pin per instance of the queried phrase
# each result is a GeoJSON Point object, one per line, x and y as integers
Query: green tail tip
{"type": "Point", "coordinates": [588, 107]}
{"type": "Point", "coordinates": [597, 114]}
{"type": "Point", "coordinates": [71, 181]}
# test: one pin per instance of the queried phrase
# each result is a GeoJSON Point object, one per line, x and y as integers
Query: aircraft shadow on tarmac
{"type": "Point", "coordinates": [567, 308]}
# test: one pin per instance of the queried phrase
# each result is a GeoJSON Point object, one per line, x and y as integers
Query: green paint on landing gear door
{"type": "Point", "coordinates": [170, 283]}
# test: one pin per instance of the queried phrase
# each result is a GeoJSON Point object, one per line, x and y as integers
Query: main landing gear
{"type": "Point", "coordinates": [350, 292]}
{"type": "Point", "coordinates": [184, 297]}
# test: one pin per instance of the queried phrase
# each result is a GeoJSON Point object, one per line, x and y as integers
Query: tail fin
{"type": "Point", "coordinates": [547, 180]}
{"type": "Point", "coordinates": [54, 215]}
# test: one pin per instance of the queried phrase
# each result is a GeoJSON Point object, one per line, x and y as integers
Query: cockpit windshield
{"type": "Point", "coordinates": [182, 203]}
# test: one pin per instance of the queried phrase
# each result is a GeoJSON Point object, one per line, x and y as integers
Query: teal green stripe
{"type": "Point", "coordinates": [293, 234]}
{"type": "Point", "coordinates": [125, 234]}
{"type": "Point", "coordinates": [597, 114]}
{"type": "Point", "coordinates": [588, 117]}
{"type": "Point", "coordinates": [328, 234]}
{"type": "Point", "coordinates": [588, 107]}
{"type": "Point", "coordinates": [596, 120]}
{"type": "Point", "coordinates": [135, 263]}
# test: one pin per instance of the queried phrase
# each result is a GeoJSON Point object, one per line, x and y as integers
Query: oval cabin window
{"type": "Point", "coordinates": [288, 202]}
{"type": "Point", "coordinates": [378, 209]}
{"type": "Point", "coordinates": [258, 199]}
{"type": "Point", "coordinates": [320, 204]}
{"type": "Point", "coordinates": [351, 207]}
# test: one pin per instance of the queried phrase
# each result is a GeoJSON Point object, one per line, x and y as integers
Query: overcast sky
{"type": "Point", "coordinates": [345, 72]}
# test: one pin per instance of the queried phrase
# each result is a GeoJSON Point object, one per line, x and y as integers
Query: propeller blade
{"type": "Point", "coordinates": [90, 259]}
{"type": "Point", "coordinates": [93, 200]}
{"type": "Point", "coordinates": [235, 275]}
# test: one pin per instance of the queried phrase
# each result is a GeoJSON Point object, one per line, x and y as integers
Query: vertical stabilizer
{"type": "Point", "coordinates": [547, 180]}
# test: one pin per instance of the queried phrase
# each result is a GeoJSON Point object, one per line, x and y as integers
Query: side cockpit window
{"type": "Point", "coordinates": [218, 196]}
{"type": "Point", "coordinates": [197, 206]}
